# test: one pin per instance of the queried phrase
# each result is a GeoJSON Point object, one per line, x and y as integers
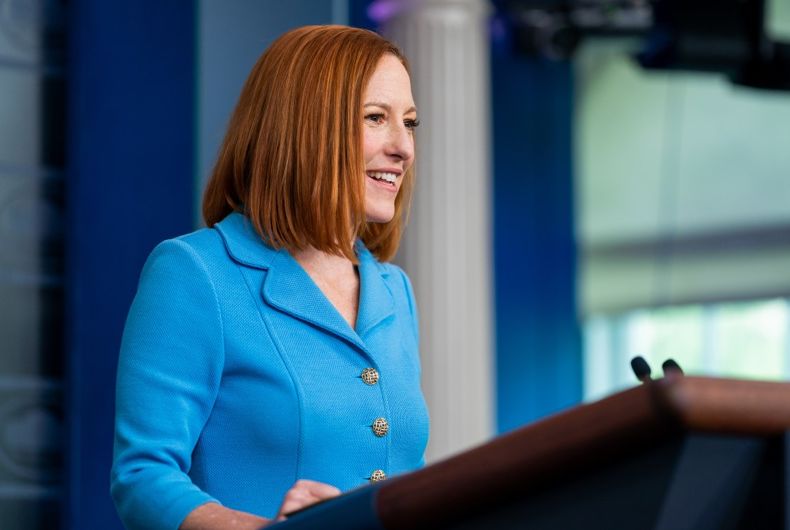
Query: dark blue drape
{"type": "Point", "coordinates": [539, 368]}
{"type": "Point", "coordinates": [129, 185]}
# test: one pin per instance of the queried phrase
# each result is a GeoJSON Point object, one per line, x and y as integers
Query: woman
{"type": "Point", "coordinates": [278, 345]}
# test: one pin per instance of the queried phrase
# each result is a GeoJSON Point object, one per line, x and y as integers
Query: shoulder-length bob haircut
{"type": "Point", "coordinates": [292, 157]}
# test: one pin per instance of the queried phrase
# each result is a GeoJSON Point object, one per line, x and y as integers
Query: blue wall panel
{"type": "Point", "coordinates": [129, 185]}
{"type": "Point", "coordinates": [537, 335]}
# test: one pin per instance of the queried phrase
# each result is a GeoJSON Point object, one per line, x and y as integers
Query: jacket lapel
{"type": "Point", "coordinates": [291, 290]}
{"type": "Point", "coordinates": [375, 299]}
{"type": "Point", "coordinates": [288, 288]}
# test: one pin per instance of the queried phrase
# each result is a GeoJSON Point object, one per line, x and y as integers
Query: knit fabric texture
{"type": "Point", "coordinates": [237, 377]}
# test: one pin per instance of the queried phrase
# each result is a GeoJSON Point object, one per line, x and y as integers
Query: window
{"type": "Point", "coordinates": [737, 339]}
{"type": "Point", "coordinates": [682, 198]}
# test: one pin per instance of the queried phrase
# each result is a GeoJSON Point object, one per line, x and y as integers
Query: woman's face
{"type": "Point", "coordinates": [388, 136]}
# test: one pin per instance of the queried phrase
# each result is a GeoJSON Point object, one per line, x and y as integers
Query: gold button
{"type": "Point", "coordinates": [370, 376]}
{"type": "Point", "coordinates": [377, 476]}
{"type": "Point", "coordinates": [380, 427]}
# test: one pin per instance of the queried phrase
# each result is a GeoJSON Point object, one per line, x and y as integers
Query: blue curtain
{"type": "Point", "coordinates": [538, 344]}
{"type": "Point", "coordinates": [130, 124]}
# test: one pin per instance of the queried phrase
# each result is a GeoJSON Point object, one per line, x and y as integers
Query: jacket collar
{"type": "Point", "coordinates": [243, 243]}
{"type": "Point", "coordinates": [290, 289]}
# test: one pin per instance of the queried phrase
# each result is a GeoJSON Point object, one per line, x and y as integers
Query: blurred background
{"type": "Point", "coordinates": [597, 180]}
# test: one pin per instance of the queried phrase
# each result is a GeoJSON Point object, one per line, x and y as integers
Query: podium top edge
{"type": "Point", "coordinates": [588, 435]}
{"type": "Point", "coordinates": [732, 406]}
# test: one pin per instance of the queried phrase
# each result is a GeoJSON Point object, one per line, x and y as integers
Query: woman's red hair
{"type": "Point", "coordinates": [292, 157]}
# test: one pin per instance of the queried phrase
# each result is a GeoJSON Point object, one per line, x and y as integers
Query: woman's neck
{"type": "Point", "coordinates": [336, 277]}
{"type": "Point", "coordinates": [327, 265]}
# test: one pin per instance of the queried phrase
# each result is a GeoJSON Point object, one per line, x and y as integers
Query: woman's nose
{"type": "Point", "coordinates": [401, 143]}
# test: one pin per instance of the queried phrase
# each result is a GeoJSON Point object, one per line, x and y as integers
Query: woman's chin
{"type": "Point", "coordinates": [379, 215]}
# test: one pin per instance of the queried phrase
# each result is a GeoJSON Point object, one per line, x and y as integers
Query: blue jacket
{"type": "Point", "coordinates": [237, 377]}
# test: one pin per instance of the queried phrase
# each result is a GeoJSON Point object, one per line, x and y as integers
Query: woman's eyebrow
{"type": "Point", "coordinates": [387, 107]}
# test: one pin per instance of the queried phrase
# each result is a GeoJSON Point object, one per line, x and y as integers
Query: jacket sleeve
{"type": "Point", "coordinates": [169, 372]}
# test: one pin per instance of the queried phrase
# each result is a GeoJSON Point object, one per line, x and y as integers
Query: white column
{"type": "Point", "coordinates": [447, 248]}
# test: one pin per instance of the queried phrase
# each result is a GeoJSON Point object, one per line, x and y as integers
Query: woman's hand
{"type": "Point", "coordinates": [212, 516]}
{"type": "Point", "coordinates": [304, 493]}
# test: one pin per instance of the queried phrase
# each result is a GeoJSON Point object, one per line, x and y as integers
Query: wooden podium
{"type": "Point", "coordinates": [676, 453]}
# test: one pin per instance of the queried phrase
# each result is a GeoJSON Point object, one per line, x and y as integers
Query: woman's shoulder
{"type": "Point", "coordinates": [202, 246]}
{"type": "Point", "coordinates": [213, 244]}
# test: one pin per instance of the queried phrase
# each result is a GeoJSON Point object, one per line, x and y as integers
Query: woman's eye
{"type": "Point", "coordinates": [411, 124]}
{"type": "Point", "coordinates": [375, 118]}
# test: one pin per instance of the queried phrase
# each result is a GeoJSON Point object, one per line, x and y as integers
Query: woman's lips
{"type": "Point", "coordinates": [383, 184]}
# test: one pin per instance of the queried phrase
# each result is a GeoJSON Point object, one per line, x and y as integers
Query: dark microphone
{"type": "Point", "coordinates": [671, 368]}
{"type": "Point", "coordinates": [641, 368]}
